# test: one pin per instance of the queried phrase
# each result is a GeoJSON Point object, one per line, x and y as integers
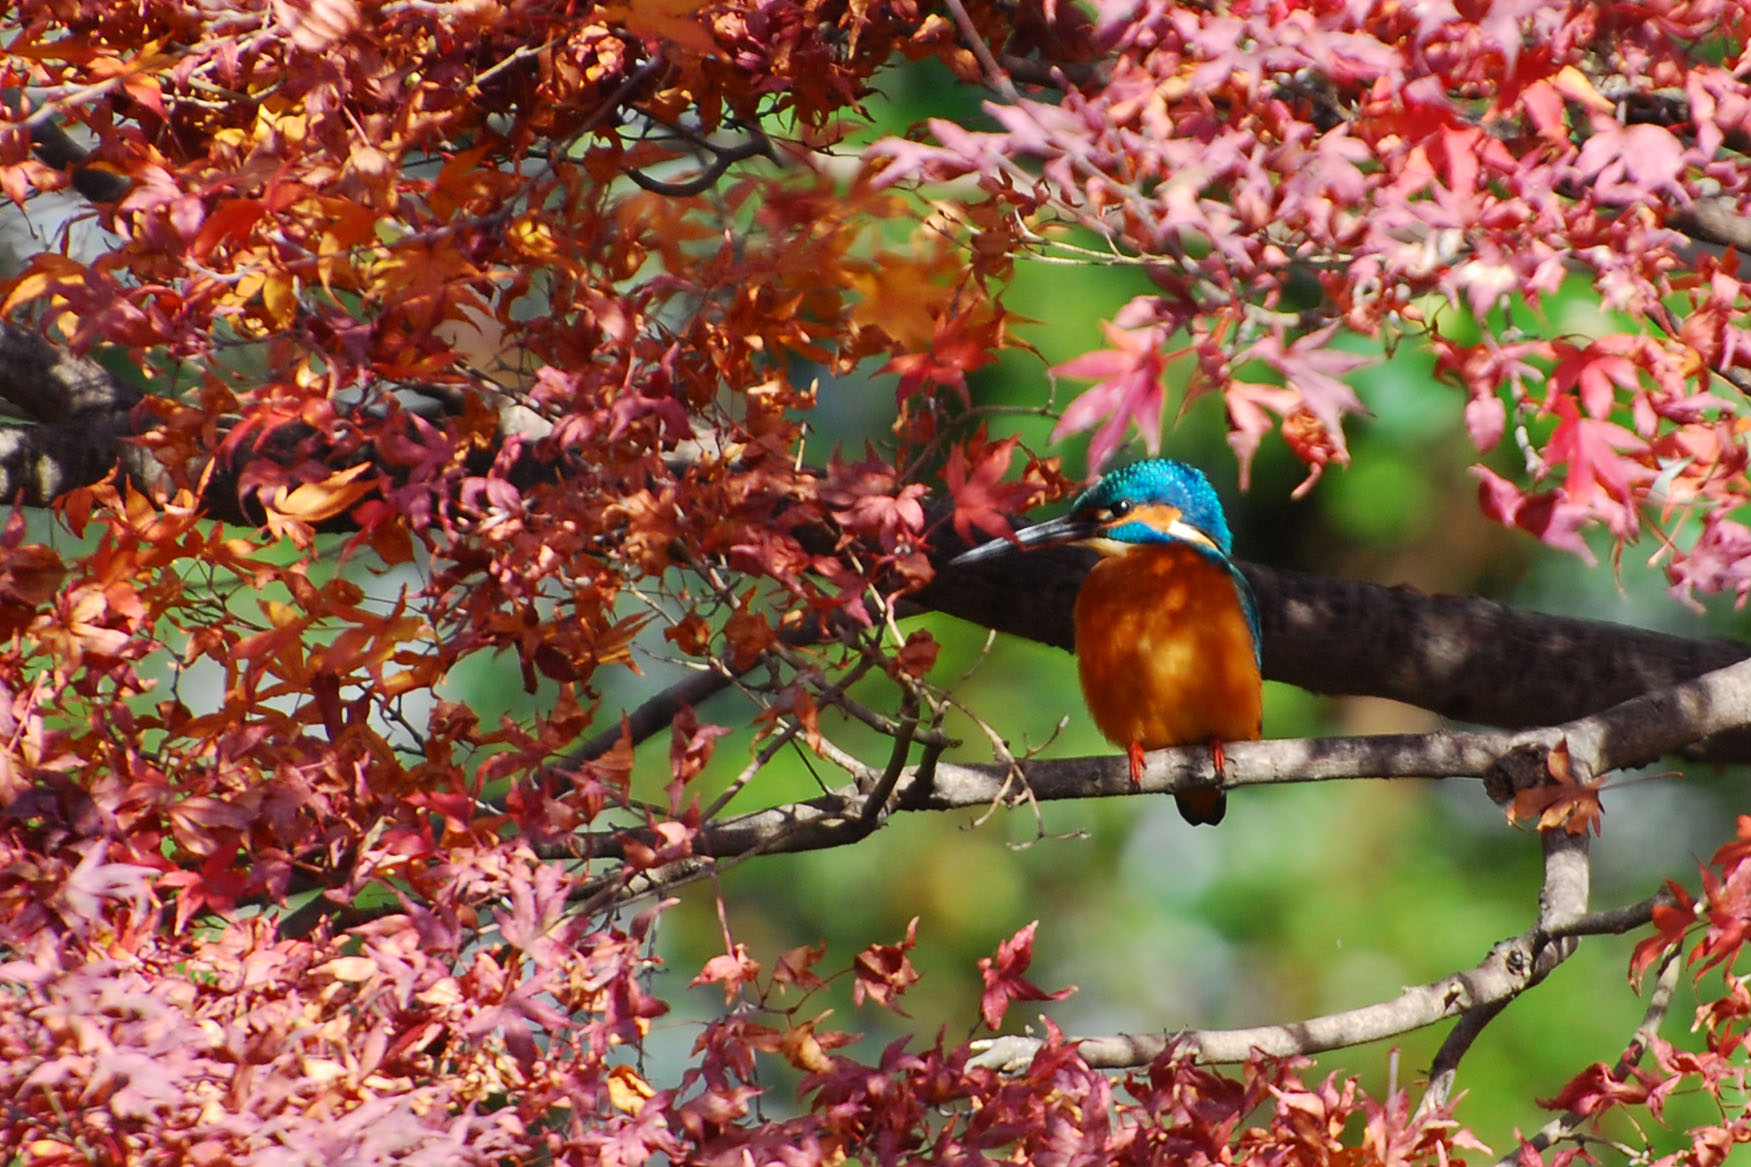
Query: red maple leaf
{"type": "Point", "coordinates": [1128, 388]}
{"type": "Point", "coordinates": [884, 971]}
{"type": "Point", "coordinates": [975, 483]}
{"type": "Point", "coordinates": [1671, 921]}
{"type": "Point", "coordinates": [1004, 981]}
{"type": "Point", "coordinates": [730, 969]}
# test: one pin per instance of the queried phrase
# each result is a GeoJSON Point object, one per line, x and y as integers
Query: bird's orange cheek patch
{"type": "Point", "coordinates": [1154, 515]}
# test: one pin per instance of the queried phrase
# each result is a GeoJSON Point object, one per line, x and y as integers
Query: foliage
{"type": "Point", "coordinates": [520, 312]}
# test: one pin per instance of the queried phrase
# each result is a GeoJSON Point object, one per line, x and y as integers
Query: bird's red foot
{"type": "Point", "coordinates": [1205, 806]}
{"type": "Point", "coordinates": [1135, 753]}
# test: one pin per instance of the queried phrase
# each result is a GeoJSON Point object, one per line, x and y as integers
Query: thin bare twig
{"type": "Point", "coordinates": [994, 73]}
{"type": "Point", "coordinates": [1615, 921]}
{"type": "Point", "coordinates": [1567, 1126]}
{"type": "Point", "coordinates": [875, 806]}
{"type": "Point", "coordinates": [722, 158]}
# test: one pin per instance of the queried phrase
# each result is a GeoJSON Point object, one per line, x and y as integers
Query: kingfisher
{"type": "Point", "coordinates": [1167, 630]}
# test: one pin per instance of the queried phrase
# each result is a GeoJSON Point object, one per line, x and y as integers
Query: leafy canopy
{"type": "Point", "coordinates": [522, 312]}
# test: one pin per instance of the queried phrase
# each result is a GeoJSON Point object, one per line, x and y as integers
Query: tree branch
{"type": "Point", "coordinates": [1511, 967]}
{"type": "Point", "coordinates": [1629, 734]}
{"type": "Point", "coordinates": [40, 463]}
{"type": "Point", "coordinates": [53, 147]}
{"type": "Point", "coordinates": [45, 383]}
{"type": "Point", "coordinates": [1713, 220]}
{"type": "Point", "coordinates": [1562, 900]}
{"type": "Point", "coordinates": [1465, 658]}
{"type": "Point", "coordinates": [1461, 657]}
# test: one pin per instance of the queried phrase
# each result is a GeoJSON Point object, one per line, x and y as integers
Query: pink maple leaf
{"type": "Point", "coordinates": [1128, 388]}
{"type": "Point", "coordinates": [1547, 515]}
{"type": "Point", "coordinates": [1640, 163]}
{"type": "Point", "coordinates": [1313, 369]}
{"type": "Point", "coordinates": [1719, 561]}
{"type": "Point", "coordinates": [1597, 371]}
{"type": "Point", "coordinates": [1249, 407]}
{"type": "Point", "coordinates": [1606, 465]}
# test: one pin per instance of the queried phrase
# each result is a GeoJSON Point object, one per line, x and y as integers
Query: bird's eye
{"type": "Point", "coordinates": [1121, 508]}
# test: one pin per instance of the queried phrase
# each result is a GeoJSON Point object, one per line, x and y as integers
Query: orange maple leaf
{"type": "Point", "coordinates": [674, 21]}
{"type": "Point", "coordinates": [1563, 801]}
{"type": "Point", "coordinates": [290, 511]}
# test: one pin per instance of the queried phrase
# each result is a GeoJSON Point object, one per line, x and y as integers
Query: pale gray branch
{"type": "Point", "coordinates": [1629, 734]}
{"type": "Point", "coordinates": [1511, 967]}
{"type": "Point", "coordinates": [1615, 921]}
{"type": "Point", "coordinates": [1562, 900]}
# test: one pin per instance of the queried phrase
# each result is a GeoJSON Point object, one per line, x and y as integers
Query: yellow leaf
{"type": "Point", "coordinates": [323, 1070]}
{"type": "Point", "coordinates": [350, 968]}
{"type": "Point", "coordinates": [534, 239]}
{"type": "Point", "coordinates": [804, 1050]}
{"type": "Point", "coordinates": [1574, 85]}
{"type": "Point", "coordinates": [279, 299]}
{"type": "Point", "coordinates": [47, 271]}
{"type": "Point", "coordinates": [903, 298]}
{"type": "Point", "coordinates": [315, 501]}
{"type": "Point", "coordinates": [627, 1091]}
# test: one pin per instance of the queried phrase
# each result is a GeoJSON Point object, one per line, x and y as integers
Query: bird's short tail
{"type": "Point", "coordinates": [1202, 807]}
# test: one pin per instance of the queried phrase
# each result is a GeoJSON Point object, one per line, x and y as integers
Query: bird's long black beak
{"type": "Point", "coordinates": [1051, 533]}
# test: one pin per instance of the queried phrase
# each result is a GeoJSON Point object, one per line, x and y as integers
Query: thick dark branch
{"type": "Point", "coordinates": [55, 148]}
{"type": "Point", "coordinates": [83, 414]}
{"type": "Point", "coordinates": [39, 463]}
{"type": "Point", "coordinates": [1465, 658]}
{"type": "Point", "coordinates": [45, 383]}
{"type": "Point", "coordinates": [86, 415]}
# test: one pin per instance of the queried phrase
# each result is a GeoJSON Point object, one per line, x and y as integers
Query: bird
{"type": "Point", "coordinates": [1167, 629]}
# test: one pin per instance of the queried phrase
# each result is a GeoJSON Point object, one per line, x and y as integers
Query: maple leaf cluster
{"type": "Point", "coordinates": [1405, 173]}
{"type": "Point", "coordinates": [1716, 927]}
{"type": "Point", "coordinates": [527, 299]}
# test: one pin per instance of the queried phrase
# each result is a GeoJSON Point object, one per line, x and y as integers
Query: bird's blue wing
{"type": "Point", "coordinates": [1249, 606]}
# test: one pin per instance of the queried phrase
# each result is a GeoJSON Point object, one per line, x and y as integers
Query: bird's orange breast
{"type": "Point", "coordinates": [1164, 651]}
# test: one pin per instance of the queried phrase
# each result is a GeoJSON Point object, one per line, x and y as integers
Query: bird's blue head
{"type": "Point", "coordinates": [1154, 501]}
{"type": "Point", "coordinates": [1151, 502]}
